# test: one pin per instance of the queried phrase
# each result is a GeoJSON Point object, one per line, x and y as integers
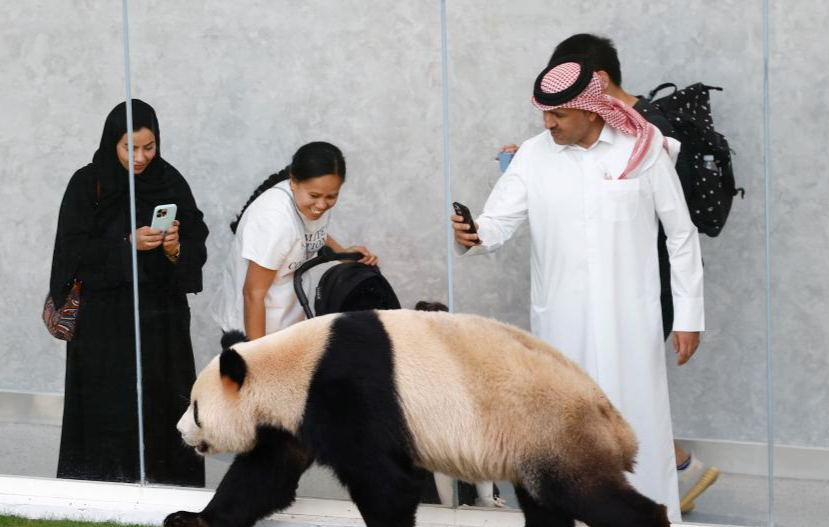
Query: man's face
{"type": "Point", "coordinates": [570, 126]}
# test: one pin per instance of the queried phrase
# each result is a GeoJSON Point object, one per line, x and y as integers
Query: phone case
{"type": "Point", "coordinates": [163, 217]}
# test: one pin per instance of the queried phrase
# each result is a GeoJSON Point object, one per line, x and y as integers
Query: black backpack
{"type": "Point", "coordinates": [712, 188]}
{"type": "Point", "coordinates": [352, 286]}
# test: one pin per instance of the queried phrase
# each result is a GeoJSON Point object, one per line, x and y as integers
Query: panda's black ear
{"type": "Point", "coordinates": [234, 336]}
{"type": "Point", "coordinates": [232, 367]}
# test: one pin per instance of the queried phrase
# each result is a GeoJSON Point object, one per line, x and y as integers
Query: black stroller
{"type": "Point", "coordinates": [348, 286]}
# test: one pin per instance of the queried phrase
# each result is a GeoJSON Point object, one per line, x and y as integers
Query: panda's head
{"type": "Point", "coordinates": [218, 418]}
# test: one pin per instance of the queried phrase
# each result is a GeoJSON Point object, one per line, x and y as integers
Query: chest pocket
{"type": "Point", "coordinates": [619, 199]}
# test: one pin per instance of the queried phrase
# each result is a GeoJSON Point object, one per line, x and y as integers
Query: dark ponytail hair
{"type": "Point", "coordinates": [311, 160]}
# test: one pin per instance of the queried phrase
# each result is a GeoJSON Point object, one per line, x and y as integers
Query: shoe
{"type": "Point", "coordinates": [499, 502]}
{"type": "Point", "coordinates": [693, 480]}
{"type": "Point", "coordinates": [496, 501]}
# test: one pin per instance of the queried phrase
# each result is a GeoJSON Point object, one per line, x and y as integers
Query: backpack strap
{"type": "Point", "coordinates": [661, 87]}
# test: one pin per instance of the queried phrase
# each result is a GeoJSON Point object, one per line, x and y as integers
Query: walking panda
{"type": "Point", "coordinates": [384, 397]}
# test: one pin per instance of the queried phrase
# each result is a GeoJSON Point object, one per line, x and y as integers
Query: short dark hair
{"type": "Point", "coordinates": [600, 51]}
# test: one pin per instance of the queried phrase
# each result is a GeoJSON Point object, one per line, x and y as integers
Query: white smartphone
{"type": "Point", "coordinates": [163, 217]}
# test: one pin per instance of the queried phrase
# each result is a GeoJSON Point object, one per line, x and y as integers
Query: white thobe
{"type": "Point", "coordinates": [595, 274]}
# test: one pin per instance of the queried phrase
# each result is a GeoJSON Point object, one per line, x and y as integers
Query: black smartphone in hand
{"type": "Point", "coordinates": [463, 210]}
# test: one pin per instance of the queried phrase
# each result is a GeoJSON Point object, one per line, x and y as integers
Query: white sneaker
{"type": "Point", "coordinates": [693, 480]}
{"type": "Point", "coordinates": [490, 501]}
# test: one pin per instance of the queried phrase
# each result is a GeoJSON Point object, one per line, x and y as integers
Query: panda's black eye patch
{"type": "Point", "coordinates": [196, 413]}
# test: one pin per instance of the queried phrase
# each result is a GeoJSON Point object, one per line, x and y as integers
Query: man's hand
{"type": "Point", "coordinates": [685, 344]}
{"type": "Point", "coordinates": [461, 236]}
{"type": "Point", "coordinates": [510, 148]}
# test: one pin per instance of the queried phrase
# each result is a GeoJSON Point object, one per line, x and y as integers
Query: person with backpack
{"type": "Point", "coordinates": [693, 474]}
{"type": "Point", "coordinates": [592, 186]}
{"type": "Point", "coordinates": [282, 225]}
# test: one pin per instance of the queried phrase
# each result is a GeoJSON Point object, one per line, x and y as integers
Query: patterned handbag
{"type": "Point", "coordinates": [61, 321]}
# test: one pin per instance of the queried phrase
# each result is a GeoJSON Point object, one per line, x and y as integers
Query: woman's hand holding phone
{"type": "Point", "coordinates": [171, 241]}
{"type": "Point", "coordinates": [146, 239]}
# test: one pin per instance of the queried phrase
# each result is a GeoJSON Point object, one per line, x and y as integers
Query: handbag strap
{"type": "Point", "coordinates": [661, 87]}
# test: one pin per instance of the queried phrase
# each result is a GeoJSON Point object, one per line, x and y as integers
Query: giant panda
{"type": "Point", "coordinates": [384, 397]}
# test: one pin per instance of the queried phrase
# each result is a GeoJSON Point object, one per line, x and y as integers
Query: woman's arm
{"type": "Point", "coordinates": [331, 242]}
{"type": "Point", "coordinates": [258, 281]}
{"type": "Point", "coordinates": [368, 258]}
{"type": "Point", "coordinates": [189, 241]}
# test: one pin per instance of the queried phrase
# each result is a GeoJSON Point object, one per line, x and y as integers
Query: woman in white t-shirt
{"type": "Point", "coordinates": [283, 224]}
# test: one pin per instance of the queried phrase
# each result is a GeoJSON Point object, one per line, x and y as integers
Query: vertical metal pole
{"type": "Point", "coordinates": [136, 315]}
{"type": "Point", "coordinates": [767, 220]}
{"type": "Point", "coordinates": [447, 181]}
{"type": "Point", "coordinates": [447, 167]}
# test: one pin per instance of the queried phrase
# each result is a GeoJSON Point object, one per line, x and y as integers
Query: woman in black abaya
{"type": "Point", "coordinates": [99, 440]}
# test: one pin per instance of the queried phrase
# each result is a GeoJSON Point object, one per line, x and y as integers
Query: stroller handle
{"type": "Point", "coordinates": [324, 255]}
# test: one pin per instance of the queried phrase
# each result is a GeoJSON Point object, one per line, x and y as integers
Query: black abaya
{"type": "Point", "coordinates": [99, 439]}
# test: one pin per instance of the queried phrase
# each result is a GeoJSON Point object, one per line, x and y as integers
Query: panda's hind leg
{"type": "Point", "coordinates": [618, 504]}
{"type": "Point", "coordinates": [609, 502]}
{"type": "Point", "coordinates": [538, 515]}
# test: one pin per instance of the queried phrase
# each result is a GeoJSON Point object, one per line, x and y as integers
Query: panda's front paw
{"type": "Point", "coordinates": [185, 519]}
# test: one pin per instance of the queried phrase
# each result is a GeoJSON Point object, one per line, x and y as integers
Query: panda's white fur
{"type": "Point", "coordinates": [279, 371]}
{"type": "Point", "coordinates": [479, 399]}
{"type": "Point", "coordinates": [482, 398]}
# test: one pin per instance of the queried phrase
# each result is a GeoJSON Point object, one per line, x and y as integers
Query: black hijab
{"type": "Point", "coordinates": [91, 242]}
{"type": "Point", "coordinates": [155, 184]}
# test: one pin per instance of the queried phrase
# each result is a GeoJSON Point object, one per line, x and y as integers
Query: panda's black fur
{"type": "Point", "coordinates": [353, 422]}
{"type": "Point", "coordinates": [229, 338]}
{"type": "Point", "coordinates": [353, 392]}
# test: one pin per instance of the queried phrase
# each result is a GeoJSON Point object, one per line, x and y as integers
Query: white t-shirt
{"type": "Point", "coordinates": [275, 235]}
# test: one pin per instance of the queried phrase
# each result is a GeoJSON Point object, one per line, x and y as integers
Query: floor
{"type": "Point", "coordinates": [31, 450]}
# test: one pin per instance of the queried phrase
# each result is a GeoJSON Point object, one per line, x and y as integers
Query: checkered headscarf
{"type": "Point", "coordinates": [570, 82]}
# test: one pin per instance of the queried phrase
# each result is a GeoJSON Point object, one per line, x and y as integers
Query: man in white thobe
{"type": "Point", "coordinates": [593, 186]}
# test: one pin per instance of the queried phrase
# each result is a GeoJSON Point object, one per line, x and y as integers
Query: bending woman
{"type": "Point", "coordinates": [283, 224]}
{"type": "Point", "coordinates": [99, 439]}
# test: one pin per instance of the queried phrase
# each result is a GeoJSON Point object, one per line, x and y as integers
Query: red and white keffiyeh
{"type": "Point", "coordinates": [571, 82]}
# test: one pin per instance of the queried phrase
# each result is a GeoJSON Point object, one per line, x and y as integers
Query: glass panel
{"type": "Point", "coordinates": [800, 303]}
{"type": "Point", "coordinates": [240, 87]}
{"type": "Point", "coordinates": [62, 75]}
{"type": "Point", "coordinates": [718, 400]}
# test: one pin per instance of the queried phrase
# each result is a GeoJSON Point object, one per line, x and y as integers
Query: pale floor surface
{"type": "Point", "coordinates": [32, 450]}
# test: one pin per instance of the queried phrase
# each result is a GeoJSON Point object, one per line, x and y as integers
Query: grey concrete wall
{"type": "Point", "coordinates": [799, 72]}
